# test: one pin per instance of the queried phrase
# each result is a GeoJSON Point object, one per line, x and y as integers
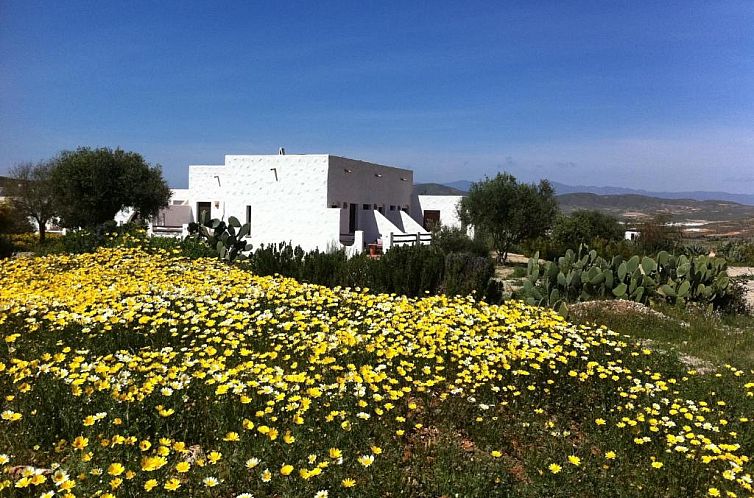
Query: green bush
{"type": "Point", "coordinates": [408, 270]}
{"type": "Point", "coordinates": [583, 226]}
{"type": "Point", "coordinates": [455, 240]}
{"type": "Point", "coordinates": [466, 273]}
{"type": "Point", "coordinates": [280, 258]}
{"type": "Point", "coordinates": [323, 268]}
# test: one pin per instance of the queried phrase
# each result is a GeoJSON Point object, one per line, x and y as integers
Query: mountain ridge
{"type": "Point", "coordinates": [697, 195]}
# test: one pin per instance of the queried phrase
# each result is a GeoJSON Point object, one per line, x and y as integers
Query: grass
{"type": "Point", "coordinates": [715, 338]}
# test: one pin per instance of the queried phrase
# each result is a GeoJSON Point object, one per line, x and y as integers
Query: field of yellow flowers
{"type": "Point", "coordinates": [128, 372]}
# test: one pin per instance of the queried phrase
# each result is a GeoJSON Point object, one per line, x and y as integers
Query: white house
{"type": "Point", "coordinates": [312, 200]}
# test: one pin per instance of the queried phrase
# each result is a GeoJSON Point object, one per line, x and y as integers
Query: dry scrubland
{"type": "Point", "coordinates": [129, 373]}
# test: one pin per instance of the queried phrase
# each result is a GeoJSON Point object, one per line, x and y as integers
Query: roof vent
{"type": "Point", "coordinates": [281, 151]}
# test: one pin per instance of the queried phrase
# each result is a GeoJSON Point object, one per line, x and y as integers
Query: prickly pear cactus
{"type": "Point", "coordinates": [228, 239]}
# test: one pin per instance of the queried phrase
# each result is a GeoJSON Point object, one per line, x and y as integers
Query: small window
{"type": "Point", "coordinates": [392, 207]}
{"type": "Point", "coordinates": [366, 207]}
{"type": "Point", "coordinates": [248, 214]}
{"type": "Point", "coordinates": [381, 209]}
{"type": "Point", "coordinates": [404, 209]}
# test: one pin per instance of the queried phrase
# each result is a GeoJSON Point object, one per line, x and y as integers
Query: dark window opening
{"type": "Point", "coordinates": [248, 214]}
{"type": "Point", "coordinates": [366, 207]}
{"type": "Point", "coordinates": [352, 218]}
{"type": "Point", "coordinates": [203, 211]}
{"type": "Point", "coordinates": [431, 219]}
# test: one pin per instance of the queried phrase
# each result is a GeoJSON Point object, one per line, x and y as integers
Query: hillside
{"type": "Point", "coordinates": [705, 218]}
{"type": "Point", "coordinates": [698, 195]}
{"type": "Point", "coordinates": [436, 189]}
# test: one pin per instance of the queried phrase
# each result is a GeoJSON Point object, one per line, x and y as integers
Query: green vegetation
{"type": "Point", "coordinates": [737, 252]}
{"type": "Point", "coordinates": [508, 212]}
{"type": "Point", "coordinates": [228, 239]}
{"type": "Point", "coordinates": [30, 192]}
{"type": "Point", "coordinates": [90, 186]}
{"type": "Point", "coordinates": [585, 276]}
{"type": "Point", "coordinates": [455, 239]}
{"type": "Point", "coordinates": [582, 227]}
{"type": "Point", "coordinates": [709, 340]}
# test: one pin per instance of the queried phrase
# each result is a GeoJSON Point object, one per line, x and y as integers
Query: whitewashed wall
{"type": "Point", "coordinates": [287, 195]}
{"type": "Point", "coordinates": [446, 204]}
{"type": "Point", "coordinates": [305, 199]}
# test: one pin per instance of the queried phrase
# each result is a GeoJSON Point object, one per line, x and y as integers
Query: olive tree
{"type": "Point", "coordinates": [29, 188]}
{"type": "Point", "coordinates": [90, 186]}
{"type": "Point", "coordinates": [509, 212]}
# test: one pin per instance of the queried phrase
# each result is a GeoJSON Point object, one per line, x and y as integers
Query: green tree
{"type": "Point", "coordinates": [583, 226]}
{"type": "Point", "coordinates": [91, 185]}
{"type": "Point", "coordinates": [30, 191]}
{"type": "Point", "coordinates": [509, 212]}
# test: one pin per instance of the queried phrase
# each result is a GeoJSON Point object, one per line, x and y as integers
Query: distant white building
{"type": "Point", "coordinates": [312, 200]}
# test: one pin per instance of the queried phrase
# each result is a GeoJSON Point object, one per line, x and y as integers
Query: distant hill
{"type": "Point", "coordinates": [632, 206]}
{"type": "Point", "coordinates": [462, 185]}
{"type": "Point", "coordinates": [699, 195]}
{"type": "Point", "coordinates": [436, 189]}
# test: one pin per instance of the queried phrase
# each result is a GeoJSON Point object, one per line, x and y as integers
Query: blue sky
{"type": "Point", "coordinates": [654, 95]}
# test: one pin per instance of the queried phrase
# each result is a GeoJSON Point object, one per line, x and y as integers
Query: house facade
{"type": "Point", "coordinates": [312, 200]}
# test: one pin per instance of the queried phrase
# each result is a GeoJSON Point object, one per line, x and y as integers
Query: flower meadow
{"type": "Point", "coordinates": [129, 372]}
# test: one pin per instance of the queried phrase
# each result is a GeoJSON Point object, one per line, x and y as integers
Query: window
{"type": "Point", "coordinates": [366, 207]}
{"type": "Point", "coordinates": [248, 214]}
{"type": "Point", "coordinates": [381, 209]}
{"type": "Point", "coordinates": [431, 218]}
{"type": "Point", "coordinates": [352, 218]}
{"type": "Point", "coordinates": [392, 207]}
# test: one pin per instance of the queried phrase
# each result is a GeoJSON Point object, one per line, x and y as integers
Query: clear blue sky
{"type": "Point", "coordinates": [654, 95]}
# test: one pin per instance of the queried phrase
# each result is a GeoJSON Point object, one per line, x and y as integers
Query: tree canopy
{"type": "Point", "coordinates": [509, 212]}
{"type": "Point", "coordinates": [90, 186]}
{"type": "Point", "coordinates": [583, 226]}
{"type": "Point", "coordinates": [30, 191]}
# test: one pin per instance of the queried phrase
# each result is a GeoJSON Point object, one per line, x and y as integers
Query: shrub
{"type": "Point", "coordinates": [323, 268]}
{"type": "Point", "coordinates": [455, 240]}
{"type": "Point", "coordinates": [581, 227]}
{"type": "Point", "coordinates": [280, 258]}
{"type": "Point", "coordinates": [466, 273]}
{"type": "Point", "coordinates": [410, 270]}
